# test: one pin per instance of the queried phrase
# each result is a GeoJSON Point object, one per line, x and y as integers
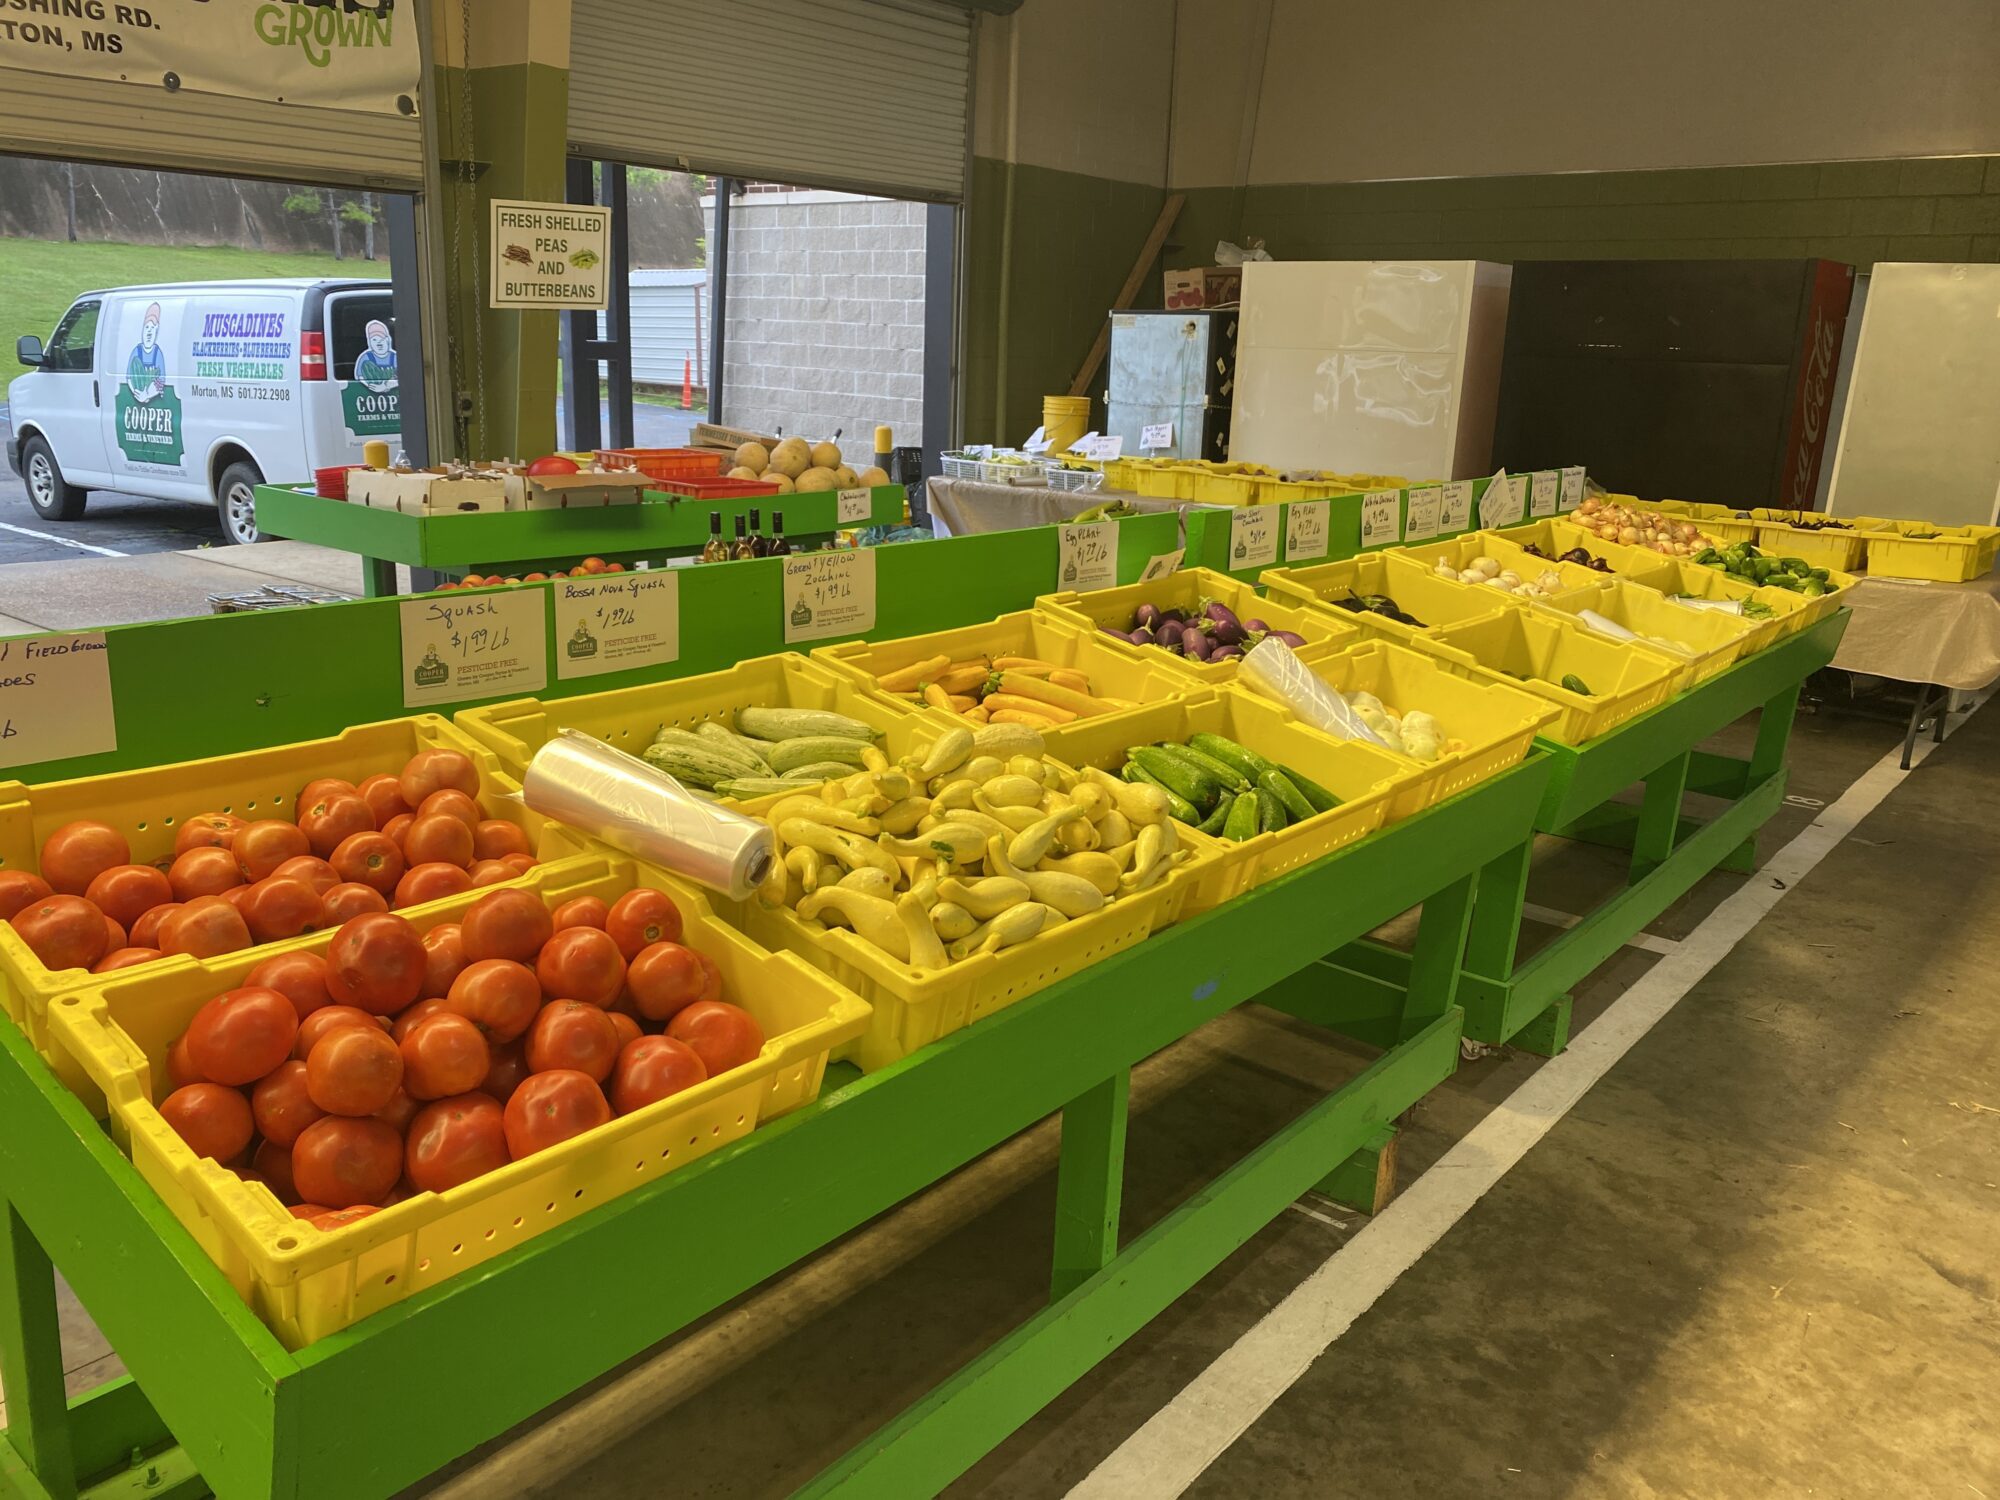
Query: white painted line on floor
{"type": "Point", "coordinates": [1179, 1441]}
{"type": "Point", "coordinates": [1549, 916]}
{"type": "Point", "coordinates": [1313, 1213]}
{"type": "Point", "coordinates": [62, 541]}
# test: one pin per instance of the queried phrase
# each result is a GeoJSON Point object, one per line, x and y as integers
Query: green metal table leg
{"type": "Point", "coordinates": [1366, 1181]}
{"type": "Point", "coordinates": [31, 1361]}
{"type": "Point", "coordinates": [1659, 816]}
{"type": "Point", "coordinates": [1090, 1179]}
{"type": "Point", "coordinates": [1767, 756]}
{"type": "Point", "coordinates": [1495, 933]}
{"type": "Point", "coordinates": [1434, 962]}
{"type": "Point", "coordinates": [1548, 1033]}
{"type": "Point", "coordinates": [378, 578]}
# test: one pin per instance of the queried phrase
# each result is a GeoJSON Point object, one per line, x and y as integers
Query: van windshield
{"type": "Point", "coordinates": [352, 318]}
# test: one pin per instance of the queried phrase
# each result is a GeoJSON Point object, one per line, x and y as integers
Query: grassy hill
{"type": "Point", "coordinates": [40, 278]}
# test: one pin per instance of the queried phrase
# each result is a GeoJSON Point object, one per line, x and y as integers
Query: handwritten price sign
{"type": "Point", "coordinates": [1087, 556]}
{"type": "Point", "coordinates": [1455, 510]}
{"type": "Point", "coordinates": [617, 621]}
{"type": "Point", "coordinates": [1381, 518]}
{"type": "Point", "coordinates": [829, 594]}
{"type": "Point", "coordinates": [1572, 488]}
{"type": "Point", "coordinates": [1547, 489]}
{"type": "Point", "coordinates": [55, 698]}
{"type": "Point", "coordinates": [1425, 504]}
{"type": "Point", "coordinates": [1306, 524]}
{"type": "Point", "coordinates": [852, 506]}
{"type": "Point", "coordinates": [1253, 536]}
{"type": "Point", "coordinates": [485, 646]}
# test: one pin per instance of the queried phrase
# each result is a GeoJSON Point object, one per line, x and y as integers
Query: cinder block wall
{"type": "Point", "coordinates": [825, 319]}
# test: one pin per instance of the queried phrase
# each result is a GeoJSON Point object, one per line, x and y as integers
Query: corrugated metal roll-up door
{"type": "Point", "coordinates": [868, 95]}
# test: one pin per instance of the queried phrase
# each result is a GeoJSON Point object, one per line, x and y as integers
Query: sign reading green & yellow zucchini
{"type": "Point", "coordinates": [1087, 555]}
{"type": "Point", "coordinates": [1422, 524]}
{"type": "Point", "coordinates": [616, 621]}
{"type": "Point", "coordinates": [1253, 536]}
{"type": "Point", "coordinates": [1455, 510]}
{"type": "Point", "coordinates": [1547, 488]}
{"type": "Point", "coordinates": [829, 593]}
{"type": "Point", "coordinates": [1306, 529]}
{"type": "Point", "coordinates": [1381, 518]}
{"type": "Point", "coordinates": [55, 698]}
{"type": "Point", "coordinates": [460, 646]}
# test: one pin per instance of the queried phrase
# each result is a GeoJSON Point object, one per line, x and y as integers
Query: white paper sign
{"type": "Point", "coordinates": [851, 507]}
{"type": "Point", "coordinates": [1160, 565]}
{"type": "Point", "coordinates": [1455, 513]}
{"type": "Point", "coordinates": [1504, 503]}
{"type": "Point", "coordinates": [55, 698]}
{"type": "Point", "coordinates": [1253, 536]}
{"type": "Point", "coordinates": [616, 621]}
{"type": "Point", "coordinates": [1572, 488]}
{"type": "Point", "coordinates": [1038, 441]}
{"type": "Point", "coordinates": [1157, 435]}
{"type": "Point", "coordinates": [1381, 518]}
{"type": "Point", "coordinates": [479, 646]}
{"type": "Point", "coordinates": [1087, 556]}
{"type": "Point", "coordinates": [1422, 524]}
{"type": "Point", "coordinates": [1104, 448]}
{"type": "Point", "coordinates": [1546, 491]}
{"type": "Point", "coordinates": [549, 254]}
{"type": "Point", "coordinates": [829, 593]}
{"type": "Point", "coordinates": [1306, 529]}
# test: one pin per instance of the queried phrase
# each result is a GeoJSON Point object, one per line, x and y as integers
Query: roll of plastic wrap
{"type": "Point", "coordinates": [1725, 606]}
{"type": "Point", "coordinates": [1272, 669]}
{"type": "Point", "coordinates": [1604, 625]}
{"type": "Point", "coordinates": [580, 780]}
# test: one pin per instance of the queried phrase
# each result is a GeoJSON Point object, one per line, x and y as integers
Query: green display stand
{"type": "Point", "coordinates": [1211, 532]}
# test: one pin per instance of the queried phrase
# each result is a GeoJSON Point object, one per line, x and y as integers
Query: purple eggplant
{"type": "Point", "coordinates": [1196, 645]}
{"type": "Point", "coordinates": [1146, 617]}
{"type": "Point", "coordinates": [1141, 637]}
{"type": "Point", "coordinates": [1290, 637]}
{"type": "Point", "coordinates": [1224, 625]}
{"type": "Point", "coordinates": [1226, 653]}
{"type": "Point", "coordinates": [1256, 627]}
{"type": "Point", "coordinates": [1174, 614]}
{"type": "Point", "coordinates": [1169, 633]}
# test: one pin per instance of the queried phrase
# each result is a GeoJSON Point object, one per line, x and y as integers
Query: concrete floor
{"type": "Point", "coordinates": [1758, 1259]}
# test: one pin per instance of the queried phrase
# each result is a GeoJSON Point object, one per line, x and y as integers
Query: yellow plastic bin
{"type": "Point", "coordinates": [1788, 611]}
{"type": "Point", "coordinates": [306, 1283]}
{"type": "Point", "coordinates": [1414, 588]}
{"type": "Point", "coordinates": [1724, 523]}
{"type": "Point", "coordinates": [1537, 649]}
{"type": "Point", "coordinates": [1188, 590]}
{"type": "Point", "coordinates": [628, 718]}
{"type": "Point", "coordinates": [1837, 549]}
{"type": "Point", "coordinates": [149, 806]}
{"type": "Point", "coordinates": [1918, 549]}
{"type": "Point", "coordinates": [1064, 420]}
{"type": "Point", "coordinates": [1556, 535]}
{"type": "Point", "coordinates": [1705, 641]}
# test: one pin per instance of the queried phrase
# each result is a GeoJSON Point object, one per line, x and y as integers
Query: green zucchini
{"type": "Point", "coordinates": [814, 772]}
{"type": "Point", "coordinates": [1242, 820]}
{"type": "Point", "coordinates": [728, 742]}
{"type": "Point", "coordinates": [1248, 763]}
{"type": "Point", "coordinates": [742, 788]}
{"type": "Point", "coordinates": [1317, 796]}
{"type": "Point", "coordinates": [1212, 824]}
{"type": "Point", "coordinates": [802, 723]}
{"type": "Point", "coordinates": [1177, 775]}
{"type": "Point", "coordinates": [692, 764]}
{"type": "Point", "coordinates": [1182, 810]}
{"type": "Point", "coordinates": [1270, 812]}
{"type": "Point", "coordinates": [1279, 785]}
{"type": "Point", "coordinates": [1227, 776]}
{"type": "Point", "coordinates": [1572, 683]}
{"type": "Point", "coordinates": [809, 750]}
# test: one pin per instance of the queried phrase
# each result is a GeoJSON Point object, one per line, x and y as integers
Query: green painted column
{"type": "Point", "coordinates": [502, 106]}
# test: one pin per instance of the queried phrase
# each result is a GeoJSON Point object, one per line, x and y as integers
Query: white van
{"type": "Point", "coordinates": [201, 390]}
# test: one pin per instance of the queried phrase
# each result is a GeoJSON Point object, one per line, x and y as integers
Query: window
{"type": "Point", "coordinates": [348, 317]}
{"type": "Point", "coordinates": [70, 348]}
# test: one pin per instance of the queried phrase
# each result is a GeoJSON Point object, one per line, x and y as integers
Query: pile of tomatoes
{"type": "Point", "coordinates": [405, 1062]}
{"type": "Point", "coordinates": [589, 567]}
{"type": "Point", "coordinates": [390, 841]}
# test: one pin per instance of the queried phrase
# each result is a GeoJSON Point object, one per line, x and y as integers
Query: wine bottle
{"type": "Point", "coordinates": [760, 545]}
{"type": "Point", "coordinates": [779, 546]}
{"type": "Point", "coordinates": [742, 547]}
{"type": "Point", "coordinates": [717, 550]}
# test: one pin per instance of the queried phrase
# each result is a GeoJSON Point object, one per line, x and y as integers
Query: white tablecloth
{"type": "Point", "coordinates": [960, 507]}
{"type": "Point", "coordinates": [1946, 633]}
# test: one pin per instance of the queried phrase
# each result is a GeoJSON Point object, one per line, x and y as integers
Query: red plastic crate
{"type": "Point", "coordinates": [664, 463]}
{"type": "Point", "coordinates": [331, 483]}
{"type": "Point", "coordinates": [717, 489]}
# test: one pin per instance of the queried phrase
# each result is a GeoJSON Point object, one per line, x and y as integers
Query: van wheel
{"type": "Point", "coordinates": [236, 500]}
{"type": "Point", "coordinates": [53, 497]}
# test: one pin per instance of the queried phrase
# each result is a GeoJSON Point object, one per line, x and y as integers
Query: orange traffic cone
{"type": "Point", "coordinates": [687, 382]}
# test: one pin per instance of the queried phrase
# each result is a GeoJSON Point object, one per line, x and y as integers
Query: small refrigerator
{"type": "Point", "coordinates": [1172, 367]}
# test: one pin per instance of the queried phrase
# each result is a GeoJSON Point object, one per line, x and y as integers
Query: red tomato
{"type": "Point", "coordinates": [651, 1068]}
{"type": "Point", "coordinates": [444, 1055]}
{"type": "Point", "coordinates": [444, 957]}
{"type": "Point", "coordinates": [18, 889]}
{"type": "Point", "coordinates": [485, 872]}
{"type": "Point", "coordinates": [571, 1034]}
{"type": "Point", "coordinates": [114, 935]}
{"type": "Point", "coordinates": [628, 1028]}
{"type": "Point", "coordinates": [505, 1072]}
{"type": "Point", "coordinates": [517, 864]}
{"type": "Point", "coordinates": [553, 463]}
{"type": "Point", "coordinates": [498, 996]}
{"type": "Point", "coordinates": [242, 1034]}
{"type": "Point", "coordinates": [273, 1163]}
{"type": "Point", "coordinates": [262, 846]}
{"type": "Point", "coordinates": [180, 1067]}
{"type": "Point", "coordinates": [640, 918]}
{"type": "Point", "coordinates": [340, 1218]}
{"type": "Point", "coordinates": [213, 1120]}
{"type": "Point", "coordinates": [581, 963]}
{"type": "Point", "coordinates": [330, 1018]}
{"type": "Point", "coordinates": [549, 1108]}
{"type": "Point", "coordinates": [433, 770]}
{"type": "Point", "coordinates": [124, 958]}
{"type": "Point", "coordinates": [384, 796]}
{"type": "Point", "coordinates": [282, 1105]}
{"type": "Point", "coordinates": [206, 831]}
{"type": "Point", "coordinates": [397, 826]}
{"type": "Point", "coordinates": [353, 1070]}
{"type": "Point", "coordinates": [344, 1163]}
{"type": "Point", "coordinates": [310, 869]}
{"type": "Point", "coordinates": [309, 1210]}
{"type": "Point", "coordinates": [205, 930]}
{"type": "Point", "coordinates": [145, 932]}
{"type": "Point", "coordinates": [376, 962]}
{"type": "Point", "coordinates": [496, 838]}
{"type": "Point", "coordinates": [325, 786]}
{"type": "Point", "coordinates": [583, 911]}
{"type": "Point", "coordinates": [369, 859]}
{"type": "Point", "coordinates": [455, 1140]}
{"type": "Point", "coordinates": [332, 819]}
{"type": "Point", "coordinates": [235, 896]}
{"type": "Point", "coordinates": [723, 1036]}
{"type": "Point", "coordinates": [399, 1111]}
{"type": "Point", "coordinates": [203, 872]}
{"type": "Point", "coordinates": [77, 853]}
{"type": "Point", "coordinates": [299, 977]}
{"type": "Point", "coordinates": [438, 838]}
{"type": "Point", "coordinates": [507, 924]}
{"type": "Point", "coordinates": [429, 1006]}
{"type": "Point", "coordinates": [711, 988]}
{"type": "Point", "coordinates": [431, 882]}
{"type": "Point", "coordinates": [450, 803]}
{"type": "Point", "coordinates": [277, 909]}
{"type": "Point", "coordinates": [663, 979]}
{"type": "Point", "coordinates": [64, 932]}
{"type": "Point", "coordinates": [126, 893]}
{"type": "Point", "coordinates": [343, 903]}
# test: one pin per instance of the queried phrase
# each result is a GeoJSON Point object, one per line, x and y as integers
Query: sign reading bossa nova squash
{"type": "Point", "coordinates": [358, 55]}
{"type": "Point", "coordinates": [549, 254]}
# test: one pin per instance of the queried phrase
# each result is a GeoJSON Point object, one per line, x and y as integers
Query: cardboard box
{"type": "Point", "coordinates": [426, 492]}
{"type": "Point", "coordinates": [572, 491]}
{"type": "Point", "coordinates": [1203, 286]}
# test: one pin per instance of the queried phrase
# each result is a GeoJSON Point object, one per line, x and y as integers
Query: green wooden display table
{"type": "Point", "coordinates": [521, 541]}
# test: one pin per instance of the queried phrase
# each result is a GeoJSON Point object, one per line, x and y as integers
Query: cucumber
{"type": "Point", "coordinates": [1178, 807]}
{"type": "Point", "coordinates": [1242, 820]}
{"type": "Point", "coordinates": [1248, 763]}
{"type": "Point", "coordinates": [1279, 785]}
{"type": "Point", "coordinates": [1212, 824]}
{"type": "Point", "coordinates": [1227, 776]}
{"type": "Point", "coordinates": [1317, 797]}
{"type": "Point", "coordinates": [802, 723]}
{"type": "Point", "coordinates": [1270, 811]}
{"type": "Point", "coordinates": [1572, 683]}
{"type": "Point", "coordinates": [1177, 775]}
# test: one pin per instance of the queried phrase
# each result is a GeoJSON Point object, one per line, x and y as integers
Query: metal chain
{"type": "Point", "coordinates": [467, 175]}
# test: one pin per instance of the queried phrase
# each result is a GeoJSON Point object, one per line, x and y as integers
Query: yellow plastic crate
{"type": "Point", "coordinates": [1210, 486]}
{"type": "Point", "coordinates": [306, 1283]}
{"type": "Point", "coordinates": [1418, 592]}
{"type": "Point", "coordinates": [1113, 672]}
{"type": "Point", "coordinates": [1835, 549]}
{"type": "Point", "coordinates": [1535, 650]}
{"type": "Point", "coordinates": [1497, 721]}
{"type": "Point", "coordinates": [1164, 481]}
{"type": "Point", "coordinates": [1557, 535]}
{"type": "Point", "coordinates": [149, 806]}
{"type": "Point", "coordinates": [1112, 609]}
{"type": "Point", "coordinates": [628, 718]}
{"type": "Point", "coordinates": [1710, 641]}
{"type": "Point", "coordinates": [1789, 612]}
{"type": "Point", "coordinates": [1506, 550]}
{"type": "Point", "coordinates": [1724, 522]}
{"type": "Point", "coordinates": [1918, 549]}
{"type": "Point", "coordinates": [1368, 781]}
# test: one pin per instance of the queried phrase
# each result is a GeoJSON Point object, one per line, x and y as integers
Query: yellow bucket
{"type": "Point", "coordinates": [1064, 420]}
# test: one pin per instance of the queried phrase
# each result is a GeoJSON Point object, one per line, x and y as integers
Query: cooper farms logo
{"type": "Point", "coordinates": [431, 671]}
{"type": "Point", "coordinates": [319, 28]}
{"type": "Point", "coordinates": [147, 409]}
{"type": "Point", "coordinates": [583, 643]}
